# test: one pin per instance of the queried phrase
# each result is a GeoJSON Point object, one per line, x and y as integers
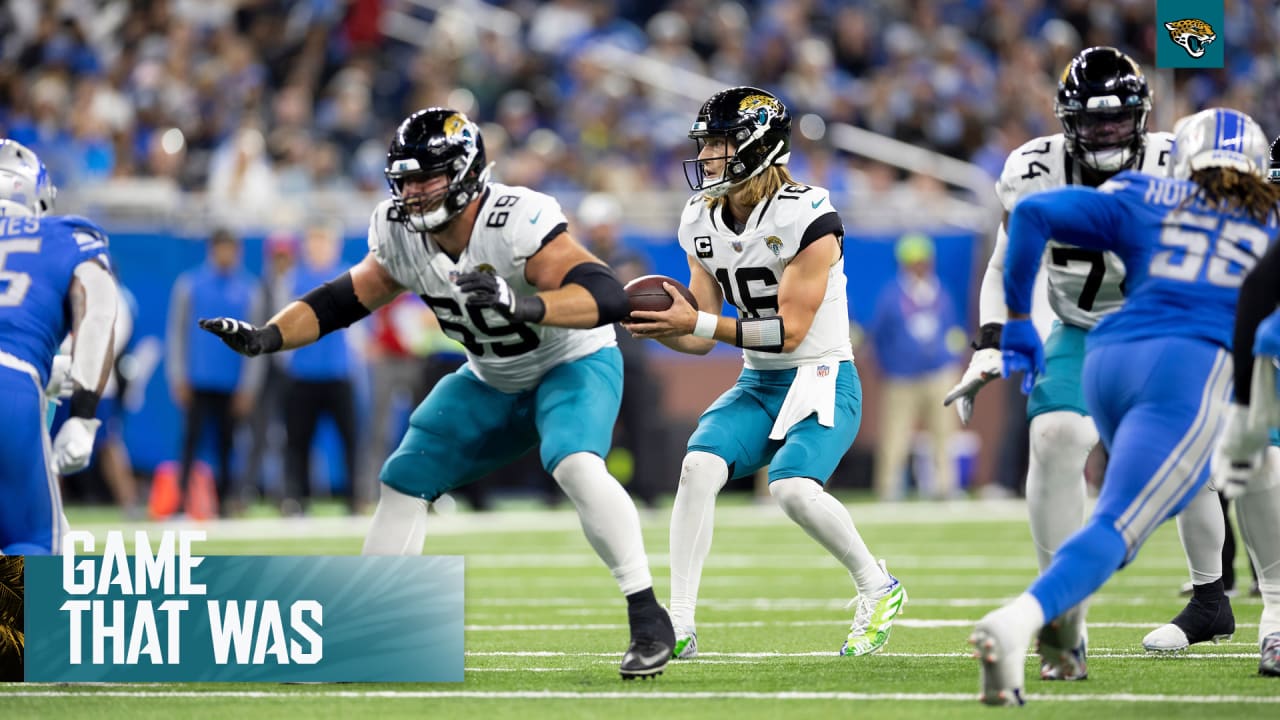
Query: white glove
{"type": "Point", "coordinates": [74, 445]}
{"type": "Point", "coordinates": [60, 384]}
{"type": "Point", "coordinates": [1240, 454]}
{"type": "Point", "coordinates": [985, 365]}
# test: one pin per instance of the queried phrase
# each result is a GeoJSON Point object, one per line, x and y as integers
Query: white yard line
{"type": "Point", "coordinates": [900, 623]}
{"type": "Point", "coordinates": [642, 693]}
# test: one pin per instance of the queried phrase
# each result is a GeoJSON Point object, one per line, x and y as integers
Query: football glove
{"type": "Point", "coordinates": [60, 384]}
{"type": "Point", "coordinates": [245, 338]}
{"type": "Point", "coordinates": [74, 444]}
{"type": "Point", "coordinates": [487, 290]}
{"type": "Point", "coordinates": [1240, 455]}
{"type": "Point", "coordinates": [984, 366]}
{"type": "Point", "coordinates": [1022, 351]}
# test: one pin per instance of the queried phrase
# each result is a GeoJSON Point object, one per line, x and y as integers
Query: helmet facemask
{"type": "Point", "coordinates": [1106, 140]}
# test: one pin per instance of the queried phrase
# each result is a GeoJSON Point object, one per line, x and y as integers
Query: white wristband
{"type": "Point", "coordinates": [706, 325]}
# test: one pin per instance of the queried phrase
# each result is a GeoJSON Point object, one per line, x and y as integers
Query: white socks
{"type": "Point", "coordinates": [609, 518]}
{"type": "Point", "coordinates": [702, 475]}
{"type": "Point", "coordinates": [399, 525]}
{"type": "Point", "coordinates": [1258, 511]}
{"type": "Point", "coordinates": [1060, 445]}
{"type": "Point", "coordinates": [826, 520]}
{"type": "Point", "coordinates": [1202, 530]}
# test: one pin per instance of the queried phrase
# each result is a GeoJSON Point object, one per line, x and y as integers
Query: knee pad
{"type": "Point", "coordinates": [579, 466]}
{"type": "Point", "coordinates": [1062, 434]}
{"type": "Point", "coordinates": [794, 493]}
{"type": "Point", "coordinates": [702, 471]}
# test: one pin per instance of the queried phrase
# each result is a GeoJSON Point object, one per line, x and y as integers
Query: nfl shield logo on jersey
{"type": "Point", "coordinates": [736, 245]}
{"type": "Point", "coordinates": [824, 370]}
{"type": "Point", "coordinates": [453, 276]}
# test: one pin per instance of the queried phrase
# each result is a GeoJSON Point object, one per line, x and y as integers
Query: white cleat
{"type": "Point", "coordinates": [686, 647]}
{"type": "Point", "coordinates": [1003, 660]}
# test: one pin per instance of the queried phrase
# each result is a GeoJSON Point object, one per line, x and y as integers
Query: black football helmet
{"type": "Point", "coordinates": [1103, 102]}
{"type": "Point", "coordinates": [1273, 175]}
{"type": "Point", "coordinates": [436, 142]}
{"type": "Point", "coordinates": [757, 126]}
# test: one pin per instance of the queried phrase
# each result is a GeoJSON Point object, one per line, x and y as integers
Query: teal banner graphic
{"type": "Point", "coordinates": [178, 617]}
{"type": "Point", "coordinates": [1189, 34]}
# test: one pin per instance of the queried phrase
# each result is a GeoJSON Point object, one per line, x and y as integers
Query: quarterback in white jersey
{"type": "Point", "coordinates": [534, 310]}
{"type": "Point", "coordinates": [1103, 102]}
{"type": "Point", "coordinates": [773, 249]}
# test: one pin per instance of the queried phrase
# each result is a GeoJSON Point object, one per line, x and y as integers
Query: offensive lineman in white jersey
{"type": "Point", "coordinates": [1103, 102]}
{"type": "Point", "coordinates": [533, 309]}
{"type": "Point", "coordinates": [773, 248]}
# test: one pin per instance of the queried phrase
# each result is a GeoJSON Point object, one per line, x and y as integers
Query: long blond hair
{"type": "Point", "coordinates": [755, 190]}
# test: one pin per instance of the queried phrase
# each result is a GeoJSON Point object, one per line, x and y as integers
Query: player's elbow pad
{"type": "Point", "coordinates": [599, 280]}
{"type": "Point", "coordinates": [335, 304]}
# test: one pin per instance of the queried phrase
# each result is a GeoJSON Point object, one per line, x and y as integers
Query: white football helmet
{"type": "Point", "coordinates": [1219, 137]}
{"type": "Point", "coordinates": [25, 188]}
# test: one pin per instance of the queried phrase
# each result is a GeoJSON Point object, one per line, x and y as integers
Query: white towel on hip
{"type": "Point", "coordinates": [812, 391]}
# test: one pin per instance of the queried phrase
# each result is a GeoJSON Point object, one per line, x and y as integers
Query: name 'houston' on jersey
{"type": "Point", "coordinates": [513, 224]}
{"type": "Point", "coordinates": [748, 266]}
{"type": "Point", "coordinates": [1084, 285]}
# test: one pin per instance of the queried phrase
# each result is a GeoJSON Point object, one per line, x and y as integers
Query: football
{"type": "Point", "coordinates": [647, 293]}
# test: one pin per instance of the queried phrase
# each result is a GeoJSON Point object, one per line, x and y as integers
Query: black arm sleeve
{"type": "Point", "coordinates": [335, 304]}
{"type": "Point", "coordinates": [1258, 298]}
{"type": "Point", "coordinates": [611, 300]}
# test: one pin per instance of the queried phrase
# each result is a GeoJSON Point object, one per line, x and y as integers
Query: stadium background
{"type": "Point", "coordinates": [164, 120]}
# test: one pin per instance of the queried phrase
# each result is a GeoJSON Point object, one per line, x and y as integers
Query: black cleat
{"type": "Point", "coordinates": [652, 640]}
{"type": "Point", "coordinates": [1200, 621]}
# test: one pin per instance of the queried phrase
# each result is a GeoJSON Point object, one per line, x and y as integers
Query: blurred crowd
{"type": "Point", "coordinates": [260, 102]}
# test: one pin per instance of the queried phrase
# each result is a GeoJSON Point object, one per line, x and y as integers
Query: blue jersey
{"type": "Point", "coordinates": [38, 257]}
{"type": "Point", "coordinates": [1184, 261]}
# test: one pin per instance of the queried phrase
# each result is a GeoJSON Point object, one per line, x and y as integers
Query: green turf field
{"type": "Point", "coordinates": [546, 628]}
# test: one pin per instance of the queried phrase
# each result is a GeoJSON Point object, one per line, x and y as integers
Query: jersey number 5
{"type": "Point", "coordinates": [15, 284]}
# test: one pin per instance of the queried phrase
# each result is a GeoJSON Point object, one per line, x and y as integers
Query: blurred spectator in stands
{"type": "Point", "coordinates": [242, 184]}
{"type": "Point", "coordinates": [916, 336]}
{"type": "Point", "coordinates": [266, 424]}
{"type": "Point", "coordinates": [320, 377]}
{"type": "Point", "coordinates": [213, 387]}
{"type": "Point", "coordinates": [396, 374]}
{"type": "Point", "coordinates": [640, 425]}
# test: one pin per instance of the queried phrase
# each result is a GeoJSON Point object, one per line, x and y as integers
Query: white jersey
{"type": "Point", "coordinates": [749, 265]}
{"type": "Point", "coordinates": [512, 224]}
{"type": "Point", "coordinates": [1084, 285]}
